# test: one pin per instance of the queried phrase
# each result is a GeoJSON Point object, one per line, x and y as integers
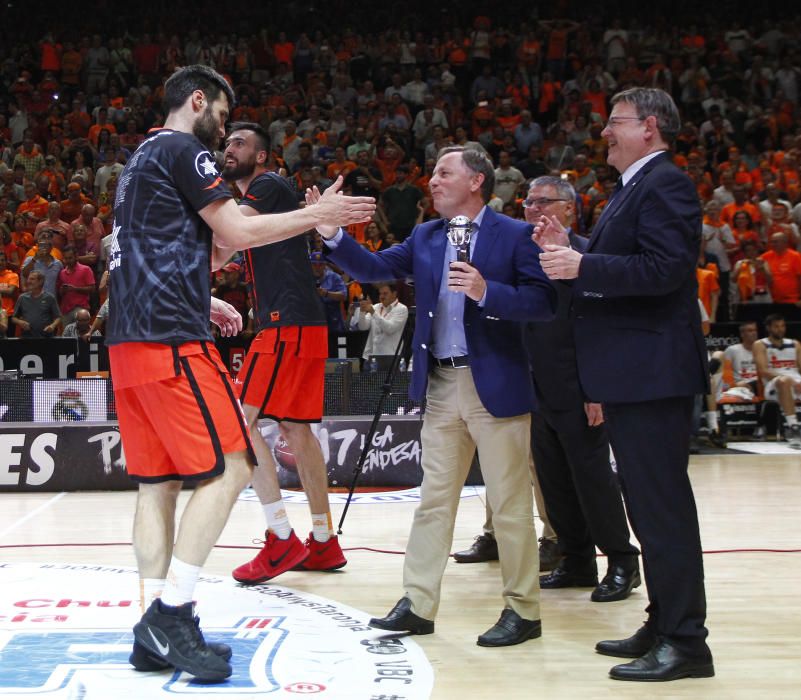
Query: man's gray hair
{"type": "Point", "coordinates": [563, 187]}
{"type": "Point", "coordinates": [653, 102]}
{"type": "Point", "coordinates": [477, 161]}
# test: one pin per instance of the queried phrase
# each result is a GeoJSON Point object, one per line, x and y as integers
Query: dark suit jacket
{"type": "Point", "coordinates": [552, 350]}
{"type": "Point", "coordinates": [635, 301]}
{"type": "Point", "coordinates": [517, 290]}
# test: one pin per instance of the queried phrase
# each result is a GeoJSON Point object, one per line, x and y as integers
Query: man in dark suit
{"type": "Point", "coordinates": [568, 440]}
{"type": "Point", "coordinates": [470, 364]}
{"type": "Point", "coordinates": [641, 354]}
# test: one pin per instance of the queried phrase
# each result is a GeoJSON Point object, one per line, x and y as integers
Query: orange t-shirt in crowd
{"type": "Point", "coordinates": [95, 129]}
{"type": "Point", "coordinates": [786, 269]}
{"type": "Point", "coordinates": [357, 231]}
{"type": "Point", "coordinates": [72, 210]}
{"type": "Point", "coordinates": [23, 241]}
{"type": "Point", "coordinates": [336, 169]}
{"type": "Point", "coordinates": [509, 122]}
{"type": "Point", "coordinates": [55, 252]}
{"type": "Point", "coordinates": [37, 206]}
{"type": "Point", "coordinates": [9, 277]}
{"type": "Point", "coordinates": [548, 94]}
{"type": "Point", "coordinates": [727, 212]}
{"type": "Point", "coordinates": [387, 168]}
{"type": "Point", "coordinates": [707, 285]}
{"type": "Point", "coordinates": [529, 52]}
{"type": "Point", "coordinates": [14, 254]}
{"type": "Point", "coordinates": [284, 52]}
{"type": "Point", "coordinates": [790, 183]}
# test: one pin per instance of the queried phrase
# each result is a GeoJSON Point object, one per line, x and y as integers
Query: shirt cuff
{"type": "Point", "coordinates": [332, 243]}
{"type": "Point", "coordinates": [483, 299]}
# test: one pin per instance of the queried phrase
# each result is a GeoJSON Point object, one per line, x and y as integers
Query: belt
{"type": "Point", "coordinates": [461, 361]}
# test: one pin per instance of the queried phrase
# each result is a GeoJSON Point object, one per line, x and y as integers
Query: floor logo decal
{"type": "Point", "coordinates": [65, 632]}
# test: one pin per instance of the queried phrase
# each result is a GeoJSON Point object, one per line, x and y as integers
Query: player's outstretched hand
{"type": "Point", "coordinates": [335, 209]}
{"type": "Point", "coordinates": [225, 317]}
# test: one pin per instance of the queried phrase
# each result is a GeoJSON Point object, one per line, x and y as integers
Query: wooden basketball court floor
{"type": "Point", "coordinates": [750, 523]}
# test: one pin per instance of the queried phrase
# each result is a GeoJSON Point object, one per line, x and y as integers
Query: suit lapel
{"type": "Point", "coordinates": [621, 197]}
{"type": "Point", "coordinates": [437, 247]}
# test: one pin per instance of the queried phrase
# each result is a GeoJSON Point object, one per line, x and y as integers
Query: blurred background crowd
{"type": "Point", "coordinates": [372, 93]}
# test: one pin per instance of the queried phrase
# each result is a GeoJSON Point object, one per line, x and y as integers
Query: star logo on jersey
{"type": "Point", "coordinates": [205, 165]}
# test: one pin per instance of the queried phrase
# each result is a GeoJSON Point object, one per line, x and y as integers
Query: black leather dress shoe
{"type": "Point", "coordinates": [510, 629]}
{"type": "Point", "coordinates": [664, 662]}
{"type": "Point", "coordinates": [402, 619]}
{"type": "Point", "coordinates": [616, 585]}
{"type": "Point", "coordinates": [484, 548]}
{"type": "Point", "coordinates": [562, 578]}
{"type": "Point", "coordinates": [639, 644]}
{"type": "Point", "coordinates": [550, 554]}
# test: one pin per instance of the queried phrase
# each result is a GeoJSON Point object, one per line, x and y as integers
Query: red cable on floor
{"type": "Point", "coordinates": [742, 550]}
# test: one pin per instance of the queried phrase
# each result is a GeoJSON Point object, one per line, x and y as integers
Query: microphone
{"type": "Point", "coordinates": [460, 228]}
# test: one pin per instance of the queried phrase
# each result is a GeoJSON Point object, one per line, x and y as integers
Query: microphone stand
{"type": "Point", "coordinates": [403, 347]}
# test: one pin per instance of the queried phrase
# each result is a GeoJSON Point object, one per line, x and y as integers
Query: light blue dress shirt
{"type": "Point", "coordinates": [448, 326]}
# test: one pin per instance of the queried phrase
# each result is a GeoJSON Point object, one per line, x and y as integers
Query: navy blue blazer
{"type": "Point", "coordinates": [517, 290]}
{"type": "Point", "coordinates": [635, 301]}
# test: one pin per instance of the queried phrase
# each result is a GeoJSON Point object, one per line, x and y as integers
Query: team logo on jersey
{"type": "Point", "coordinates": [65, 632]}
{"type": "Point", "coordinates": [205, 166]}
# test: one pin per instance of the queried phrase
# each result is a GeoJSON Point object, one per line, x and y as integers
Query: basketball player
{"type": "Point", "coordinates": [778, 361]}
{"type": "Point", "coordinates": [179, 418]}
{"type": "Point", "coordinates": [283, 374]}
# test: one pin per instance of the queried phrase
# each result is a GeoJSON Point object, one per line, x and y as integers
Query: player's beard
{"type": "Point", "coordinates": [242, 168]}
{"type": "Point", "coordinates": [206, 130]}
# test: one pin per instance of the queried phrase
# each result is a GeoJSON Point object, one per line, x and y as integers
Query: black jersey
{"type": "Point", "coordinates": [160, 251]}
{"type": "Point", "coordinates": [283, 290]}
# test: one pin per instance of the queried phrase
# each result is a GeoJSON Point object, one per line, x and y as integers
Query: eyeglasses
{"type": "Point", "coordinates": [614, 122]}
{"type": "Point", "coordinates": [540, 201]}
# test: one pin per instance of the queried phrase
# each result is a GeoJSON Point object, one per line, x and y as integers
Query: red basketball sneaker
{"type": "Point", "coordinates": [323, 556]}
{"type": "Point", "coordinates": [276, 557]}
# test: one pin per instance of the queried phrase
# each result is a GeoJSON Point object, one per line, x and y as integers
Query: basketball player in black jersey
{"type": "Point", "coordinates": [179, 418]}
{"type": "Point", "coordinates": [283, 374]}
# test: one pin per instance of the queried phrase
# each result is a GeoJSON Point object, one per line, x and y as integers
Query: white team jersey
{"type": "Point", "coordinates": [742, 363]}
{"type": "Point", "coordinates": [781, 360]}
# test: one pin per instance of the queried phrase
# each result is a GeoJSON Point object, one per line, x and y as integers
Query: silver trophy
{"type": "Point", "coordinates": [460, 228]}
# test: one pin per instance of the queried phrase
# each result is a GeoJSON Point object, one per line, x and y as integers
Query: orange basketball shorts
{"type": "Point", "coordinates": [178, 426]}
{"type": "Point", "coordinates": [284, 373]}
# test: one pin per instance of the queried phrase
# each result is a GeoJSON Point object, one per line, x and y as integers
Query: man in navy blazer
{"type": "Point", "coordinates": [471, 365]}
{"type": "Point", "coordinates": [641, 353]}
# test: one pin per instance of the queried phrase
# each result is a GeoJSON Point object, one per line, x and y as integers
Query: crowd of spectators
{"type": "Point", "coordinates": [374, 103]}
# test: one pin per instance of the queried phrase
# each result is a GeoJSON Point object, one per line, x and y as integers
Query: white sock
{"type": "Point", "coordinates": [791, 420]}
{"type": "Point", "coordinates": [277, 519]}
{"type": "Point", "coordinates": [712, 420]}
{"type": "Point", "coordinates": [321, 526]}
{"type": "Point", "coordinates": [180, 585]}
{"type": "Point", "coordinates": [149, 590]}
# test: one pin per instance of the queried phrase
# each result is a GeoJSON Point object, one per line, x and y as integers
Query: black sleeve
{"type": "Point", "coordinates": [195, 175]}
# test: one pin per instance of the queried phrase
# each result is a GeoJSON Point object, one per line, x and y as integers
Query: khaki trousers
{"type": "Point", "coordinates": [548, 532]}
{"type": "Point", "coordinates": [455, 424]}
